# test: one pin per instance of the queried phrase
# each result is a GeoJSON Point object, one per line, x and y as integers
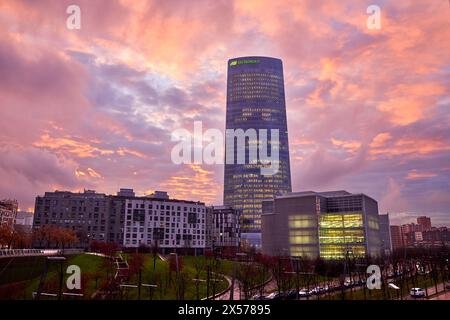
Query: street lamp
{"type": "Point", "coordinates": [178, 274]}
{"type": "Point", "coordinates": [240, 254]}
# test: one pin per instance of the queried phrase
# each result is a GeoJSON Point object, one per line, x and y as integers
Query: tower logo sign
{"type": "Point", "coordinates": [243, 61]}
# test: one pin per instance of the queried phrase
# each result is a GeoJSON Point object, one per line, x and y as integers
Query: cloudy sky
{"type": "Point", "coordinates": [368, 110]}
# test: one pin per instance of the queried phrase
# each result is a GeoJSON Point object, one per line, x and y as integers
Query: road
{"type": "Point", "coordinates": [430, 291]}
{"type": "Point", "coordinates": [442, 296]}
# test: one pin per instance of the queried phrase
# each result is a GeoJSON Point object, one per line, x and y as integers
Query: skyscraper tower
{"type": "Point", "coordinates": [255, 100]}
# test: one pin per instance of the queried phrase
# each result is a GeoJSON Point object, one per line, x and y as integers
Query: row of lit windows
{"type": "Point", "coordinates": [258, 110]}
{"type": "Point", "coordinates": [350, 220]}
{"type": "Point", "coordinates": [342, 236]}
{"type": "Point", "coordinates": [302, 221]}
{"type": "Point", "coordinates": [164, 243]}
{"type": "Point", "coordinates": [257, 73]}
{"type": "Point", "coordinates": [304, 251]}
{"type": "Point", "coordinates": [342, 252]}
{"type": "Point", "coordinates": [373, 223]}
{"type": "Point", "coordinates": [302, 237]}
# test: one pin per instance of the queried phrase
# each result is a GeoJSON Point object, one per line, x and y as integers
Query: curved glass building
{"type": "Point", "coordinates": [255, 100]}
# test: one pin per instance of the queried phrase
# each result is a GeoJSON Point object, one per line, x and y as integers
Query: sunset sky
{"type": "Point", "coordinates": [368, 110]}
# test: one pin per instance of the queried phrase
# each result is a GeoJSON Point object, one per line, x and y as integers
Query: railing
{"type": "Point", "coordinates": [4, 253]}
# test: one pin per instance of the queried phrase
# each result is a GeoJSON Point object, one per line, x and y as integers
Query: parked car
{"type": "Point", "coordinates": [348, 284]}
{"type": "Point", "coordinates": [304, 293]}
{"type": "Point", "coordinates": [276, 296]}
{"type": "Point", "coordinates": [292, 295]}
{"type": "Point", "coordinates": [258, 297]}
{"type": "Point", "coordinates": [318, 290]}
{"type": "Point", "coordinates": [417, 292]}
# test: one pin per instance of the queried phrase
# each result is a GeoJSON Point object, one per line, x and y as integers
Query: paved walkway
{"type": "Point", "coordinates": [226, 295]}
{"type": "Point", "coordinates": [442, 296]}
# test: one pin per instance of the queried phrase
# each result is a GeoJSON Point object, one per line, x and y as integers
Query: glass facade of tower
{"type": "Point", "coordinates": [255, 100]}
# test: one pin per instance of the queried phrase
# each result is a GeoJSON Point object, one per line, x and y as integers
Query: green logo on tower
{"type": "Point", "coordinates": [245, 61]}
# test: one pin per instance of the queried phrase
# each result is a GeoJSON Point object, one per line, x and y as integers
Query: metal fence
{"type": "Point", "coordinates": [37, 252]}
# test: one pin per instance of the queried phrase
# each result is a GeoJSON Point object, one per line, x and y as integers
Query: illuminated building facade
{"type": "Point", "coordinates": [225, 228]}
{"type": "Point", "coordinates": [326, 224]}
{"type": "Point", "coordinates": [255, 100]}
{"type": "Point", "coordinates": [8, 211]}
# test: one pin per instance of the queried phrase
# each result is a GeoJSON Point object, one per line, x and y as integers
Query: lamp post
{"type": "Point", "coordinates": [178, 274]}
{"type": "Point", "coordinates": [346, 269]}
{"type": "Point", "coordinates": [233, 279]}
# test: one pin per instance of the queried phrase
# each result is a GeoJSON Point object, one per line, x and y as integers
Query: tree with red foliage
{"type": "Point", "coordinates": [106, 248]}
{"type": "Point", "coordinates": [135, 263]}
{"type": "Point", "coordinates": [173, 263]}
{"type": "Point", "coordinates": [6, 235]}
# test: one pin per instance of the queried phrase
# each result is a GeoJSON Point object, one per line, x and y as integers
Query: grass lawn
{"type": "Point", "coordinates": [160, 275]}
{"type": "Point", "coordinates": [20, 269]}
{"type": "Point", "coordinates": [89, 264]}
{"type": "Point", "coordinates": [21, 277]}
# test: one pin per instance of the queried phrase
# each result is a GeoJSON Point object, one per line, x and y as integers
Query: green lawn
{"type": "Point", "coordinates": [89, 265]}
{"type": "Point", "coordinates": [160, 275]}
{"type": "Point", "coordinates": [20, 269]}
{"type": "Point", "coordinates": [21, 277]}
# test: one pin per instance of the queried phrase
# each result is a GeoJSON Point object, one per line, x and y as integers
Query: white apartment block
{"type": "Point", "coordinates": [167, 223]}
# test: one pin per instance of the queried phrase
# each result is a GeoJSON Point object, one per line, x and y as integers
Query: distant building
{"type": "Point", "coordinates": [24, 221]}
{"type": "Point", "coordinates": [87, 213]}
{"type": "Point", "coordinates": [8, 211]}
{"type": "Point", "coordinates": [133, 221]}
{"type": "Point", "coordinates": [424, 222]}
{"type": "Point", "coordinates": [24, 218]}
{"type": "Point", "coordinates": [385, 234]}
{"type": "Point", "coordinates": [436, 237]}
{"type": "Point", "coordinates": [331, 225]}
{"type": "Point", "coordinates": [411, 234]}
{"type": "Point", "coordinates": [166, 223]}
{"type": "Point", "coordinates": [422, 234]}
{"type": "Point", "coordinates": [396, 237]}
{"type": "Point", "coordinates": [225, 228]}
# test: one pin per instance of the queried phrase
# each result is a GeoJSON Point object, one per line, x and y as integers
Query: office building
{"type": "Point", "coordinates": [225, 228]}
{"type": "Point", "coordinates": [255, 100]}
{"type": "Point", "coordinates": [23, 222]}
{"type": "Point", "coordinates": [422, 234]}
{"type": "Point", "coordinates": [436, 236]}
{"type": "Point", "coordinates": [331, 225]}
{"type": "Point", "coordinates": [396, 237]}
{"type": "Point", "coordinates": [410, 233]}
{"type": "Point", "coordinates": [8, 211]}
{"type": "Point", "coordinates": [385, 234]}
{"type": "Point", "coordinates": [166, 223]}
{"type": "Point", "coordinates": [133, 221]}
{"type": "Point", "coordinates": [424, 222]}
{"type": "Point", "coordinates": [86, 213]}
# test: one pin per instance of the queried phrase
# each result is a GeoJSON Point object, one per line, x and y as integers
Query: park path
{"type": "Point", "coordinates": [236, 292]}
